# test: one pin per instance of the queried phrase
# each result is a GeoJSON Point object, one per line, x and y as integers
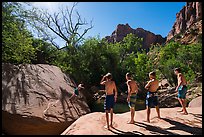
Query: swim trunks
{"type": "Point", "coordinates": [151, 99]}
{"type": "Point", "coordinates": [182, 90]}
{"type": "Point", "coordinates": [109, 102]}
{"type": "Point", "coordinates": [76, 91]}
{"type": "Point", "coordinates": [132, 102]}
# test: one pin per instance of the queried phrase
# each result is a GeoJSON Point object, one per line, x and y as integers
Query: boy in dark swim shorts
{"type": "Point", "coordinates": [109, 102]}
{"type": "Point", "coordinates": [182, 90]}
{"type": "Point", "coordinates": [111, 96]}
{"type": "Point", "coordinates": [151, 98]}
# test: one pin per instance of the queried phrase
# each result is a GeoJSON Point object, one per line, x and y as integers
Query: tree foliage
{"type": "Point", "coordinates": [16, 39]}
{"type": "Point", "coordinates": [67, 24]}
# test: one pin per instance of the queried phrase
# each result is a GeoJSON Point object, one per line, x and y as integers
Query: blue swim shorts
{"type": "Point", "coordinates": [182, 90]}
{"type": "Point", "coordinates": [151, 99]}
{"type": "Point", "coordinates": [109, 102]}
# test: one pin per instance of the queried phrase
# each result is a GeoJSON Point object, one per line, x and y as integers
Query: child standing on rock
{"type": "Point", "coordinates": [182, 90]}
{"type": "Point", "coordinates": [151, 98]}
{"type": "Point", "coordinates": [132, 94]}
{"type": "Point", "coordinates": [111, 96]}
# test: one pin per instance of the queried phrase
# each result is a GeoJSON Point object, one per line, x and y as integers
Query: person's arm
{"type": "Point", "coordinates": [147, 86]}
{"type": "Point", "coordinates": [179, 81]}
{"type": "Point", "coordinates": [103, 80]}
{"type": "Point", "coordinates": [129, 91]}
{"type": "Point", "coordinates": [116, 92]}
{"type": "Point", "coordinates": [136, 87]}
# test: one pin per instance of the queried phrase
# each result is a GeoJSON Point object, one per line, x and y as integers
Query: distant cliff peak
{"type": "Point", "coordinates": [122, 30]}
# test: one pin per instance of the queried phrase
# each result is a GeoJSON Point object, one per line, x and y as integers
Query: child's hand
{"type": "Point", "coordinates": [115, 97]}
{"type": "Point", "coordinates": [128, 99]}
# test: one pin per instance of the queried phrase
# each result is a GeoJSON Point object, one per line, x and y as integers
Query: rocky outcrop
{"type": "Point", "coordinates": [171, 123]}
{"type": "Point", "coordinates": [188, 15]}
{"type": "Point", "coordinates": [168, 97]}
{"type": "Point", "coordinates": [148, 37]}
{"type": "Point", "coordinates": [35, 100]}
{"type": "Point", "coordinates": [197, 102]}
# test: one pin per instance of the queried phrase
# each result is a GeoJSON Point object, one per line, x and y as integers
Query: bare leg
{"type": "Point", "coordinates": [180, 101]}
{"type": "Point", "coordinates": [158, 113]}
{"type": "Point", "coordinates": [72, 96]}
{"type": "Point", "coordinates": [111, 113]}
{"type": "Point", "coordinates": [148, 114]}
{"type": "Point", "coordinates": [107, 120]}
{"type": "Point", "coordinates": [132, 113]}
{"type": "Point", "coordinates": [180, 110]}
{"type": "Point", "coordinates": [184, 106]}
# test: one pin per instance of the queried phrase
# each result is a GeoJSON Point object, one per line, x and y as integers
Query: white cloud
{"type": "Point", "coordinates": [52, 6]}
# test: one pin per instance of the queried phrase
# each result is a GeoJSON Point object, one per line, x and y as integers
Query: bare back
{"type": "Point", "coordinates": [181, 79]}
{"type": "Point", "coordinates": [110, 87]}
{"type": "Point", "coordinates": [133, 86]}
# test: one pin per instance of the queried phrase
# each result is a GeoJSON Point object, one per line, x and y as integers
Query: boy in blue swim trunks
{"type": "Point", "coordinates": [132, 94]}
{"type": "Point", "coordinates": [76, 91]}
{"type": "Point", "coordinates": [182, 90]}
{"type": "Point", "coordinates": [111, 96]}
{"type": "Point", "coordinates": [151, 98]}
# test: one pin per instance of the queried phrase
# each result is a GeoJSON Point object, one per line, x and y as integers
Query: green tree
{"type": "Point", "coordinates": [16, 39]}
{"type": "Point", "coordinates": [46, 53]}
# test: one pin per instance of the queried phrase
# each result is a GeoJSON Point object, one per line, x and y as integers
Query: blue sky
{"type": "Point", "coordinates": [157, 17]}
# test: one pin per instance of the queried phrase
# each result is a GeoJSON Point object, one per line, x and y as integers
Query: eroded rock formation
{"type": "Point", "coordinates": [185, 18]}
{"type": "Point", "coordinates": [35, 100]}
{"type": "Point", "coordinates": [148, 37]}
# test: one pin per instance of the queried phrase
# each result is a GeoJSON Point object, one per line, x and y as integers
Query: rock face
{"type": "Point", "coordinates": [148, 37]}
{"type": "Point", "coordinates": [171, 123]}
{"type": "Point", "coordinates": [187, 16]}
{"type": "Point", "coordinates": [168, 97]}
{"type": "Point", "coordinates": [197, 102]}
{"type": "Point", "coordinates": [35, 100]}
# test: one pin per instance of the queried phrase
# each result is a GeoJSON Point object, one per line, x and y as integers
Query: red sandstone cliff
{"type": "Point", "coordinates": [188, 15]}
{"type": "Point", "coordinates": [148, 37]}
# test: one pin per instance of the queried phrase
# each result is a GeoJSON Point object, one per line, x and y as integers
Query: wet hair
{"type": "Point", "coordinates": [109, 75]}
{"type": "Point", "coordinates": [129, 75]}
{"type": "Point", "coordinates": [177, 69]}
{"type": "Point", "coordinates": [152, 74]}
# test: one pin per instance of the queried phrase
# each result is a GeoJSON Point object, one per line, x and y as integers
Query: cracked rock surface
{"type": "Point", "coordinates": [35, 100]}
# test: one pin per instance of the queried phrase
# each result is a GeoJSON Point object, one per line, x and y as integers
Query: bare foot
{"type": "Point", "coordinates": [184, 113]}
{"type": "Point", "coordinates": [180, 110]}
{"type": "Point", "coordinates": [146, 121]}
{"type": "Point", "coordinates": [106, 127]}
{"type": "Point", "coordinates": [131, 122]}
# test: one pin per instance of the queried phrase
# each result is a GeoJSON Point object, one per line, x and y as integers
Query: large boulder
{"type": "Point", "coordinates": [35, 100]}
{"type": "Point", "coordinates": [171, 123]}
{"type": "Point", "coordinates": [197, 102]}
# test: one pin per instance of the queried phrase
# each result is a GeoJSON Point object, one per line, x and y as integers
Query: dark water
{"type": "Point", "coordinates": [98, 106]}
